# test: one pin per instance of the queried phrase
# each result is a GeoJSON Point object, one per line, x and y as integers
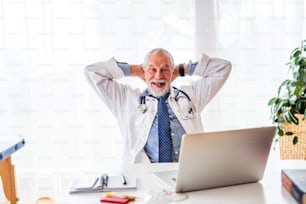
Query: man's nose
{"type": "Point", "coordinates": [158, 74]}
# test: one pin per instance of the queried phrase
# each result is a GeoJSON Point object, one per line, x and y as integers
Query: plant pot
{"type": "Point", "coordinates": [288, 150]}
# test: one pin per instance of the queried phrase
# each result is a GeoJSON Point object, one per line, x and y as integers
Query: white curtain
{"type": "Point", "coordinates": [44, 47]}
{"type": "Point", "coordinates": [258, 37]}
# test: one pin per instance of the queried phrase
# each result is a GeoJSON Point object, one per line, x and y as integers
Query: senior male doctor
{"type": "Point", "coordinates": [153, 121]}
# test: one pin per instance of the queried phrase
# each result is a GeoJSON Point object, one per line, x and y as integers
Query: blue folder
{"type": "Point", "coordinates": [9, 145]}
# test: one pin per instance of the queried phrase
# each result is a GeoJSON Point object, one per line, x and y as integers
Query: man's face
{"type": "Point", "coordinates": [158, 74]}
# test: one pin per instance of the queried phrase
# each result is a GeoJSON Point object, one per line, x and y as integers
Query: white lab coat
{"type": "Point", "coordinates": [123, 101]}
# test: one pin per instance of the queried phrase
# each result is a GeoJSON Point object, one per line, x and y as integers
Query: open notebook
{"type": "Point", "coordinates": [103, 183]}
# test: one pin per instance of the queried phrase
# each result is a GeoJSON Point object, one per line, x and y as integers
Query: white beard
{"type": "Point", "coordinates": [159, 92]}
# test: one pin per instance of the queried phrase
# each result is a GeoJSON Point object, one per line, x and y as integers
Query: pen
{"type": "Point", "coordinates": [124, 180]}
{"type": "Point", "coordinates": [120, 195]}
{"type": "Point", "coordinates": [105, 179]}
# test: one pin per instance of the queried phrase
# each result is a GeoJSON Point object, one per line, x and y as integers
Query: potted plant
{"type": "Point", "coordinates": [288, 108]}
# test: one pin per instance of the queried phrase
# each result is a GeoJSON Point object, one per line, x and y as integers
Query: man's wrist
{"type": "Point", "coordinates": [181, 70]}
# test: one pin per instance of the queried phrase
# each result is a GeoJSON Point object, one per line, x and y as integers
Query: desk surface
{"type": "Point", "coordinates": [55, 184]}
{"type": "Point", "coordinates": [9, 145]}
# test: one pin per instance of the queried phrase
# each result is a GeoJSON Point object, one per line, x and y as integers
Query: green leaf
{"type": "Point", "coordinates": [295, 140]}
{"type": "Point", "coordinates": [293, 118]}
{"type": "Point", "coordinates": [287, 117]}
{"type": "Point", "coordinates": [278, 107]}
{"type": "Point", "coordinates": [295, 53]}
{"type": "Point", "coordinates": [303, 60]}
{"type": "Point", "coordinates": [298, 84]}
{"type": "Point", "coordinates": [297, 62]}
{"type": "Point", "coordinates": [283, 84]}
{"type": "Point", "coordinates": [273, 101]}
{"type": "Point", "coordinates": [304, 45]}
{"type": "Point", "coordinates": [299, 91]}
{"type": "Point", "coordinates": [289, 133]}
{"type": "Point", "coordinates": [280, 132]}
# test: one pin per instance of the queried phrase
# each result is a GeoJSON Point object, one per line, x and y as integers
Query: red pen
{"type": "Point", "coordinates": [114, 200]}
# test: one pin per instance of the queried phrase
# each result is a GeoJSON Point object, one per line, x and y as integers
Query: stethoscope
{"type": "Point", "coordinates": [142, 107]}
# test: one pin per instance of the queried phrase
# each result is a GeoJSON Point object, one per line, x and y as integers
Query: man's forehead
{"type": "Point", "coordinates": [160, 59]}
{"type": "Point", "coordinates": [153, 65]}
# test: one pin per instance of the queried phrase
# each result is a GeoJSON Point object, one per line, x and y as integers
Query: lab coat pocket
{"type": "Point", "coordinates": [186, 109]}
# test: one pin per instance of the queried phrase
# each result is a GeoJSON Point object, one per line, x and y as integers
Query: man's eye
{"type": "Point", "coordinates": [165, 70]}
{"type": "Point", "coordinates": [152, 70]}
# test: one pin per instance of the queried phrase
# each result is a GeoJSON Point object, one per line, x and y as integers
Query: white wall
{"type": "Point", "coordinates": [44, 46]}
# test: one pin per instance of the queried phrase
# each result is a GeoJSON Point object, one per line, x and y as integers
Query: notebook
{"type": "Point", "coordinates": [91, 184]}
{"type": "Point", "coordinates": [217, 159]}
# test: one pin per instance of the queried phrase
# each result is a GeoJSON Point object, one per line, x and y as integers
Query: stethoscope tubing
{"type": "Point", "coordinates": [143, 98]}
{"type": "Point", "coordinates": [143, 107]}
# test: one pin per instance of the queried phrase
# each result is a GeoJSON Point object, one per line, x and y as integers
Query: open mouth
{"type": "Point", "coordinates": [159, 87]}
{"type": "Point", "coordinates": [158, 84]}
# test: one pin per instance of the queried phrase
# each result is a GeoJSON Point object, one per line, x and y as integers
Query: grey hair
{"type": "Point", "coordinates": [159, 51]}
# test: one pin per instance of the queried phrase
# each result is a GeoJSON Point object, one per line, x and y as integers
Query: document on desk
{"type": "Point", "coordinates": [103, 183]}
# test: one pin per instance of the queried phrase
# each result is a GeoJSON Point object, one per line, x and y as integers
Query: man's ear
{"type": "Point", "coordinates": [175, 73]}
{"type": "Point", "coordinates": [143, 73]}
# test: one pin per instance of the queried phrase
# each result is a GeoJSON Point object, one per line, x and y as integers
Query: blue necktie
{"type": "Point", "coordinates": [165, 141]}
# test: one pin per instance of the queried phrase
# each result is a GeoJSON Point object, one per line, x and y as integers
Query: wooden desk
{"type": "Point", "coordinates": [9, 145]}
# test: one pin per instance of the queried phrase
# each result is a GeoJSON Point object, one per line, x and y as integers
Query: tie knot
{"type": "Point", "coordinates": [162, 98]}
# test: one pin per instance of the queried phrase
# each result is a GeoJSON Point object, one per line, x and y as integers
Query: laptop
{"type": "Point", "coordinates": [218, 159]}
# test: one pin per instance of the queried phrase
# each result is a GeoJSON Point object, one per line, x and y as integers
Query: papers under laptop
{"type": "Point", "coordinates": [217, 159]}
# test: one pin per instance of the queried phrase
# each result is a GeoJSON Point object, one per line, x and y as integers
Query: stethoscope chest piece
{"type": "Point", "coordinates": [142, 108]}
